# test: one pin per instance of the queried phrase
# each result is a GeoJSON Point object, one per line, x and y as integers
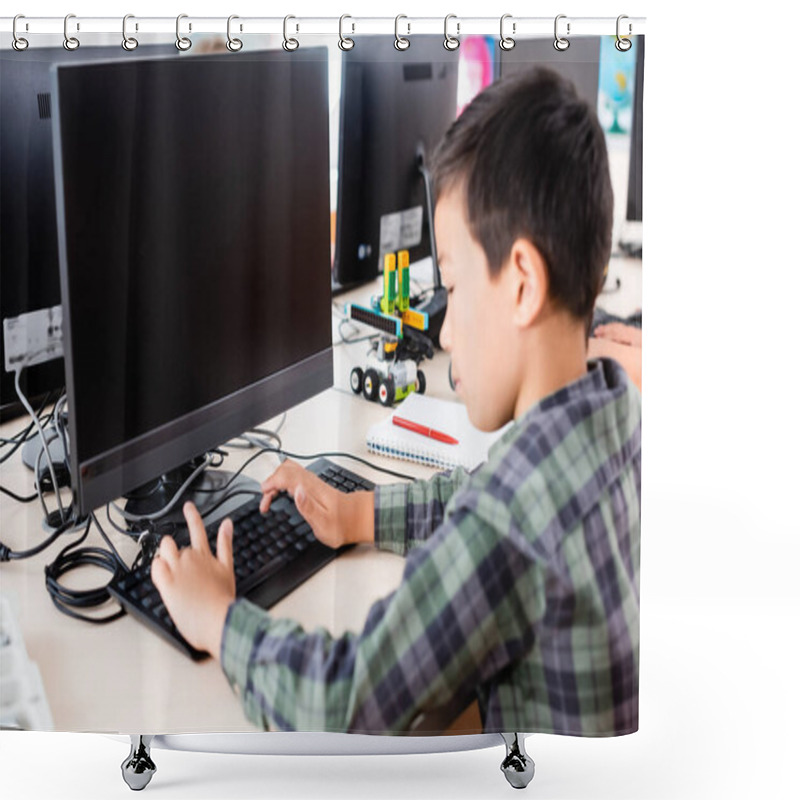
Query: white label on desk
{"type": "Point", "coordinates": [33, 338]}
{"type": "Point", "coordinates": [401, 230]}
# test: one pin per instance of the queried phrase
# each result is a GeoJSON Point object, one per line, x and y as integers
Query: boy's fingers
{"type": "Point", "coordinates": [225, 544]}
{"type": "Point", "coordinates": [161, 574]}
{"type": "Point", "coordinates": [197, 531]}
{"type": "Point", "coordinates": [283, 479]}
{"type": "Point", "coordinates": [265, 501]}
{"type": "Point", "coordinates": [168, 551]}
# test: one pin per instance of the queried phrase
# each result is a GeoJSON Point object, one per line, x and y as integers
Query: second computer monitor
{"type": "Point", "coordinates": [395, 107]}
{"type": "Point", "coordinates": [580, 62]}
{"type": "Point", "coordinates": [193, 211]}
{"type": "Point", "coordinates": [28, 241]}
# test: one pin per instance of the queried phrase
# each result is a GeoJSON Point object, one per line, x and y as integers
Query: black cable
{"type": "Point", "coordinates": [364, 461]}
{"type": "Point", "coordinates": [29, 499]}
{"type": "Point", "coordinates": [7, 554]}
{"type": "Point", "coordinates": [108, 542]}
{"type": "Point", "coordinates": [65, 599]}
{"type": "Point", "coordinates": [27, 434]}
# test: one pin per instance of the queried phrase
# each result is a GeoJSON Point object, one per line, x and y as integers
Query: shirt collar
{"type": "Point", "coordinates": [601, 375]}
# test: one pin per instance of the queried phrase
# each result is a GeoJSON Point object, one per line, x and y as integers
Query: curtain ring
{"type": "Point", "coordinates": [400, 42]}
{"type": "Point", "coordinates": [289, 44]}
{"type": "Point", "coordinates": [18, 43]}
{"type": "Point", "coordinates": [560, 43]}
{"type": "Point", "coordinates": [233, 44]}
{"type": "Point", "coordinates": [623, 44]}
{"type": "Point", "coordinates": [128, 42]}
{"type": "Point", "coordinates": [70, 42]}
{"type": "Point", "coordinates": [506, 42]}
{"type": "Point", "coordinates": [183, 43]}
{"type": "Point", "coordinates": [345, 43]}
{"type": "Point", "coordinates": [451, 43]}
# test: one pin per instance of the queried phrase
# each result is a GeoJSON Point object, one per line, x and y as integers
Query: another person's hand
{"type": "Point", "coordinates": [629, 356]}
{"type": "Point", "coordinates": [197, 588]}
{"type": "Point", "coordinates": [335, 517]}
{"type": "Point", "coordinates": [619, 332]}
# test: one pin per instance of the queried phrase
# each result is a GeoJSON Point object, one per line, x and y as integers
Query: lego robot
{"type": "Point", "coordinates": [392, 371]}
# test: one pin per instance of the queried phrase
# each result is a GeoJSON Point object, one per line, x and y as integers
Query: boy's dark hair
{"type": "Point", "coordinates": [532, 159]}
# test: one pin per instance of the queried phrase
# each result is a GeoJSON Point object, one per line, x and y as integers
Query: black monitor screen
{"type": "Point", "coordinates": [579, 63]}
{"type": "Point", "coordinates": [195, 254]}
{"type": "Point", "coordinates": [28, 240]}
{"type": "Point", "coordinates": [394, 105]}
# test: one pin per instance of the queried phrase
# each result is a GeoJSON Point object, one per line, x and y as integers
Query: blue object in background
{"type": "Point", "coordinates": [616, 90]}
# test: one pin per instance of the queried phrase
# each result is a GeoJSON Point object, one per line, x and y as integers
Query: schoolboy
{"type": "Point", "coordinates": [521, 585]}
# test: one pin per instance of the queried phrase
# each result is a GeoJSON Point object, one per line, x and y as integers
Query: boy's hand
{"type": "Point", "coordinates": [621, 333]}
{"type": "Point", "coordinates": [335, 517]}
{"type": "Point", "coordinates": [196, 587]}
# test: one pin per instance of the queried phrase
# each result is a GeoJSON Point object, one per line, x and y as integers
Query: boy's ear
{"type": "Point", "coordinates": [530, 284]}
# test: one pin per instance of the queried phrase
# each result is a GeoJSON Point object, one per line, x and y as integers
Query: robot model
{"type": "Point", "coordinates": [392, 370]}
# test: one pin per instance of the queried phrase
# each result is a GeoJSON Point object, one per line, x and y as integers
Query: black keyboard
{"type": "Point", "coordinates": [272, 555]}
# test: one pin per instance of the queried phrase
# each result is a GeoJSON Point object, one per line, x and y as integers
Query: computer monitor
{"type": "Point", "coordinates": [193, 224]}
{"type": "Point", "coordinates": [395, 107]}
{"type": "Point", "coordinates": [634, 205]}
{"type": "Point", "coordinates": [580, 62]}
{"type": "Point", "coordinates": [28, 241]}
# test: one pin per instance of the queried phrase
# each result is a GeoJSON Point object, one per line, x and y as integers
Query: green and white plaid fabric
{"type": "Point", "coordinates": [521, 589]}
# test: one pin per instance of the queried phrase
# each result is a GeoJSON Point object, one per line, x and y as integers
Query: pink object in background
{"type": "Point", "coordinates": [475, 67]}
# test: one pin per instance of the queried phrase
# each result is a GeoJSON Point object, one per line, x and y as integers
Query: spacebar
{"type": "Point", "coordinates": [282, 575]}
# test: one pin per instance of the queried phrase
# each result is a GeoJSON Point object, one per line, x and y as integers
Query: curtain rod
{"type": "Point", "coordinates": [507, 26]}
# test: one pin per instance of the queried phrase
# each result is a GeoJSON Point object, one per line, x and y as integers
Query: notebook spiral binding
{"type": "Point", "coordinates": [508, 28]}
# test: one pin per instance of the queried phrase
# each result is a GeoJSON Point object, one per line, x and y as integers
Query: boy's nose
{"type": "Point", "coordinates": [444, 334]}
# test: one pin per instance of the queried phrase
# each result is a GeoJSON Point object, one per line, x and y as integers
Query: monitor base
{"type": "Point", "coordinates": [211, 487]}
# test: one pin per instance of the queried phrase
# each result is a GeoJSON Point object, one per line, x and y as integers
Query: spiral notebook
{"type": "Point", "coordinates": [387, 439]}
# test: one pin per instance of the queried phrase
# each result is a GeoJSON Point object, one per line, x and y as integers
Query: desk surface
{"type": "Point", "coordinates": [122, 678]}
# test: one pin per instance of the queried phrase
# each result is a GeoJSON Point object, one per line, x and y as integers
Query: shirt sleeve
{"type": "Point", "coordinates": [407, 514]}
{"type": "Point", "coordinates": [466, 608]}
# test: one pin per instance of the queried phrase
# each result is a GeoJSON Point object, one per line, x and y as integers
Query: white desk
{"type": "Point", "coordinates": [122, 678]}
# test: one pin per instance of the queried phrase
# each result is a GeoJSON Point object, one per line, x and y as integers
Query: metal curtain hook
{"type": "Point", "coordinates": [181, 42]}
{"type": "Point", "coordinates": [345, 43]}
{"type": "Point", "coordinates": [506, 42]}
{"type": "Point", "coordinates": [560, 43]}
{"type": "Point", "coordinates": [623, 44]}
{"type": "Point", "coordinates": [451, 43]}
{"type": "Point", "coordinates": [18, 42]}
{"type": "Point", "coordinates": [128, 42]}
{"type": "Point", "coordinates": [234, 45]}
{"type": "Point", "coordinates": [289, 44]}
{"type": "Point", "coordinates": [70, 42]}
{"type": "Point", "coordinates": [400, 42]}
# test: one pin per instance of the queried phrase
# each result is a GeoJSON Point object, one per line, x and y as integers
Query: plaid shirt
{"type": "Point", "coordinates": [521, 589]}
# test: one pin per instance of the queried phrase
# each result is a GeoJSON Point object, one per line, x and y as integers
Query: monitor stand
{"type": "Point", "coordinates": [205, 492]}
{"type": "Point", "coordinates": [436, 305]}
{"type": "Point", "coordinates": [33, 453]}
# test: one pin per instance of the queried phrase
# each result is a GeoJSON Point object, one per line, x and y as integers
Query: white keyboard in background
{"type": "Point", "coordinates": [23, 705]}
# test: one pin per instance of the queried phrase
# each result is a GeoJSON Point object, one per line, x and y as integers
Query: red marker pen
{"type": "Point", "coordinates": [424, 430]}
